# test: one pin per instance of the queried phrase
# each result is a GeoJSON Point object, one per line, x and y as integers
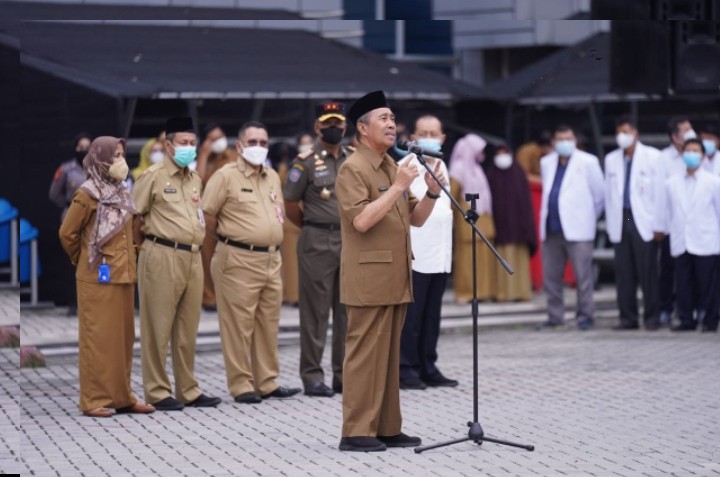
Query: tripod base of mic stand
{"type": "Point", "coordinates": [476, 435]}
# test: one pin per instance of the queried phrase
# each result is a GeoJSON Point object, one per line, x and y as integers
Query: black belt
{"type": "Point", "coordinates": [322, 226]}
{"type": "Point", "coordinates": [170, 243]}
{"type": "Point", "coordinates": [244, 246]}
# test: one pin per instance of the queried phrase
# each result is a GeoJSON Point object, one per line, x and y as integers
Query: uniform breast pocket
{"type": "Point", "coordinates": [171, 196]}
{"type": "Point", "coordinates": [375, 256]}
{"type": "Point", "coordinates": [246, 199]}
{"type": "Point", "coordinates": [323, 178]}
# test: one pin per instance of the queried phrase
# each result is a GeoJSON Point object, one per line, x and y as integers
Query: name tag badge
{"type": "Point", "coordinates": [201, 217]}
{"type": "Point", "coordinates": [104, 272]}
{"type": "Point", "coordinates": [246, 190]}
{"type": "Point", "coordinates": [170, 190]}
{"type": "Point", "coordinates": [383, 188]}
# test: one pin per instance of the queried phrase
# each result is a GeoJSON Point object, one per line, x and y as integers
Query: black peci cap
{"type": "Point", "coordinates": [367, 103]}
{"type": "Point", "coordinates": [179, 124]}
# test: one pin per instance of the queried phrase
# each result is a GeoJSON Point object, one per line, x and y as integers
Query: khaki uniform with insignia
{"type": "Point", "coordinates": [250, 212]}
{"type": "Point", "coordinates": [170, 279]}
{"type": "Point", "coordinates": [376, 286]}
{"type": "Point", "coordinates": [215, 163]}
{"type": "Point", "coordinates": [311, 179]}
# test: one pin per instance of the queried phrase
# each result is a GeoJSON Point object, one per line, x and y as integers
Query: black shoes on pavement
{"type": "Point", "coordinates": [282, 393]}
{"type": "Point", "coordinates": [377, 444]}
{"type": "Point", "coordinates": [249, 397]}
{"type": "Point", "coordinates": [204, 401]}
{"type": "Point", "coordinates": [412, 383]}
{"type": "Point", "coordinates": [440, 381]}
{"type": "Point", "coordinates": [169, 404]}
{"type": "Point", "coordinates": [319, 390]}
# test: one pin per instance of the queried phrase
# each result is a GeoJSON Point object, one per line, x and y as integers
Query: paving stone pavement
{"type": "Point", "coordinates": [594, 404]}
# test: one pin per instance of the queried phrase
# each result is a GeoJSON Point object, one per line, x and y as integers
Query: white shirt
{"type": "Point", "coordinates": [432, 243]}
{"type": "Point", "coordinates": [646, 178]}
{"type": "Point", "coordinates": [582, 197]}
{"type": "Point", "coordinates": [693, 213]}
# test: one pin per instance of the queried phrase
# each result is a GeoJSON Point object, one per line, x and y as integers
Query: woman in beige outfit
{"type": "Point", "coordinates": [97, 236]}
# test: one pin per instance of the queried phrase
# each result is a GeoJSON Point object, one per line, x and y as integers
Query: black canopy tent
{"type": "Point", "coordinates": [574, 84]}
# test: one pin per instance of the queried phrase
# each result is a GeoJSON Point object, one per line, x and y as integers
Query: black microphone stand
{"type": "Point", "coordinates": [471, 216]}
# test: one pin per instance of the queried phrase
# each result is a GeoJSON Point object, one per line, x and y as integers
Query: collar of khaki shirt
{"type": "Point", "coordinates": [173, 168]}
{"type": "Point", "coordinates": [247, 169]}
{"type": "Point", "coordinates": [372, 156]}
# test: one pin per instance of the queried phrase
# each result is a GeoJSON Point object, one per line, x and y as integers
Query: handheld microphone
{"type": "Point", "coordinates": [412, 147]}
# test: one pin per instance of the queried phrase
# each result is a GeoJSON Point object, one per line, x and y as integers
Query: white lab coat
{"type": "Point", "coordinates": [646, 171]}
{"type": "Point", "coordinates": [693, 221]}
{"type": "Point", "coordinates": [582, 197]}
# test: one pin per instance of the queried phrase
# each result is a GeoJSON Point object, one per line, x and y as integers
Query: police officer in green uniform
{"type": "Point", "coordinates": [311, 179]}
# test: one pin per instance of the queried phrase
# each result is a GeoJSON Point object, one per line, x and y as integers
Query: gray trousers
{"type": "Point", "coordinates": [319, 267]}
{"type": "Point", "coordinates": [636, 264]}
{"type": "Point", "coordinates": [555, 253]}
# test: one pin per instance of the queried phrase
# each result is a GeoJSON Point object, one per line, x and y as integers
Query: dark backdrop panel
{"type": "Point", "coordinates": [53, 112]}
{"type": "Point", "coordinates": [9, 128]}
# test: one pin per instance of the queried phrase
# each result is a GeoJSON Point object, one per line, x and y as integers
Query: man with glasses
{"type": "Point", "coordinates": [244, 207]}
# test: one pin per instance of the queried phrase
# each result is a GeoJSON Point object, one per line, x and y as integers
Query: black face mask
{"type": "Point", "coordinates": [80, 155]}
{"type": "Point", "coordinates": [331, 135]}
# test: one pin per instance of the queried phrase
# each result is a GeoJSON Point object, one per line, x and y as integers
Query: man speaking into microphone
{"type": "Point", "coordinates": [376, 211]}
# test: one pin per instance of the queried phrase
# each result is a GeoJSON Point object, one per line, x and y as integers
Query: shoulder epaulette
{"type": "Point", "coordinates": [305, 155]}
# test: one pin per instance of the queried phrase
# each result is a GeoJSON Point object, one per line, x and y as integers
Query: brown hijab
{"type": "Point", "coordinates": [115, 204]}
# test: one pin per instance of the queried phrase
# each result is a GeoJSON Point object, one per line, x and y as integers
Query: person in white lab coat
{"type": "Point", "coordinates": [631, 175]}
{"type": "Point", "coordinates": [691, 208]}
{"type": "Point", "coordinates": [680, 130]}
{"type": "Point", "coordinates": [572, 201]}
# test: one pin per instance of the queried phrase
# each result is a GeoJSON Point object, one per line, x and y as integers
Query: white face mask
{"type": "Point", "coordinates": [303, 148]}
{"type": "Point", "coordinates": [156, 156]}
{"type": "Point", "coordinates": [503, 161]}
{"type": "Point", "coordinates": [219, 145]}
{"type": "Point", "coordinates": [255, 155]}
{"type": "Point", "coordinates": [624, 140]}
{"type": "Point", "coordinates": [689, 134]}
{"type": "Point", "coordinates": [119, 170]}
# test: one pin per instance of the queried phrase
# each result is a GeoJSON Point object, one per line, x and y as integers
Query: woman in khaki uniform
{"type": "Point", "coordinates": [467, 176]}
{"type": "Point", "coordinates": [97, 235]}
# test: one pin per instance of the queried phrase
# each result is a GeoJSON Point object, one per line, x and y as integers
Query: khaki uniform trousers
{"type": "Point", "coordinates": [208, 249]}
{"type": "Point", "coordinates": [170, 285]}
{"type": "Point", "coordinates": [248, 286]}
{"type": "Point", "coordinates": [371, 391]}
{"type": "Point", "coordinates": [319, 258]}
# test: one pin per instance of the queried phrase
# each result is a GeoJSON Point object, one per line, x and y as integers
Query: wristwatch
{"type": "Point", "coordinates": [432, 196]}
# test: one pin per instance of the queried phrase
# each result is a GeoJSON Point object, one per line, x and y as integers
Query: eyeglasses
{"type": "Point", "coordinates": [255, 142]}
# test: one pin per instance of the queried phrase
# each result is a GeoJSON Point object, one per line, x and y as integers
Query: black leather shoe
{"type": "Point", "coordinates": [319, 389]}
{"type": "Point", "coordinates": [652, 326]}
{"type": "Point", "coordinates": [625, 327]}
{"type": "Point", "coordinates": [412, 383]}
{"type": "Point", "coordinates": [210, 308]}
{"type": "Point", "coordinates": [361, 444]}
{"type": "Point", "coordinates": [337, 387]}
{"type": "Point", "coordinates": [549, 325]}
{"type": "Point", "coordinates": [440, 381]}
{"type": "Point", "coordinates": [248, 398]}
{"type": "Point", "coordinates": [169, 404]}
{"type": "Point", "coordinates": [282, 393]}
{"type": "Point", "coordinates": [205, 401]}
{"type": "Point", "coordinates": [400, 440]}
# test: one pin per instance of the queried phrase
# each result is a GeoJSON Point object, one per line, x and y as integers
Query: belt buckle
{"type": "Point", "coordinates": [252, 247]}
{"type": "Point", "coordinates": [194, 248]}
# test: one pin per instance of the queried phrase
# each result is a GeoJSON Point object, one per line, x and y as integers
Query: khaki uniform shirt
{"type": "Point", "coordinates": [248, 204]}
{"type": "Point", "coordinates": [168, 199]}
{"type": "Point", "coordinates": [375, 266]}
{"type": "Point", "coordinates": [119, 251]}
{"type": "Point", "coordinates": [311, 176]}
{"type": "Point", "coordinates": [218, 161]}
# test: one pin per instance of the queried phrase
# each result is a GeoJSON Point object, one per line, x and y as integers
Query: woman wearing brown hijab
{"type": "Point", "coordinates": [97, 235]}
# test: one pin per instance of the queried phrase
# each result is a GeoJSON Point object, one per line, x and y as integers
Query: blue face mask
{"type": "Point", "coordinates": [565, 148]}
{"type": "Point", "coordinates": [692, 159]}
{"type": "Point", "coordinates": [429, 144]}
{"type": "Point", "coordinates": [401, 152]}
{"type": "Point", "coordinates": [184, 155]}
{"type": "Point", "coordinates": [710, 146]}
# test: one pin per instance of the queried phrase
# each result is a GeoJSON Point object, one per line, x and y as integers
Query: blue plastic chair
{"type": "Point", "coordinates": [27, 234]}
{"type": "Point", "coordinates": [7, 214]}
